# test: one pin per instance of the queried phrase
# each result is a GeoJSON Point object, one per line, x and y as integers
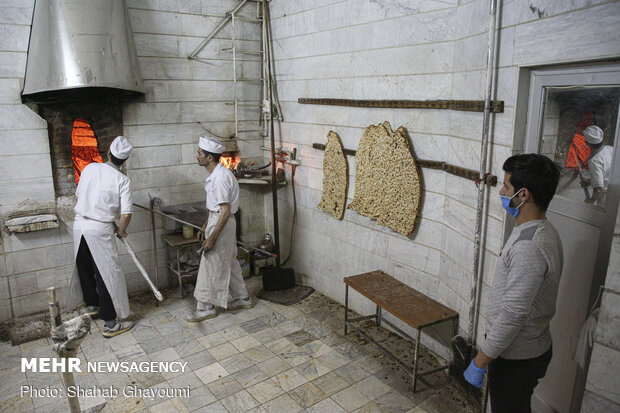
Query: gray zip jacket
{"type": "Point", "coordinates": [524, 291]}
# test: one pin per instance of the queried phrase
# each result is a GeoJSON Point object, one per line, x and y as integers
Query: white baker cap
{"type": "Point", "coordinates": [211, 144]}
{"type": "Point", "coordinates": [593, 134]}
{"type": "Point", "coordinates": [121, 148]}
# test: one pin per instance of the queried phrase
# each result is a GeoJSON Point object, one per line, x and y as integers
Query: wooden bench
{"type": "Point", "coordinates": [410, 306]}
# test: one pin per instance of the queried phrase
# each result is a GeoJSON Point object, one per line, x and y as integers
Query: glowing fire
{"type": "Point", "coordinates": [230, 160]}
{"type": "Point", "coordinates": [83, 147]}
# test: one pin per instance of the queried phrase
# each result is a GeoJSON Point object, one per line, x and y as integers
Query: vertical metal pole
{"type": "Point", "coordinates": [346, 308]}
{"type": "Point", "coordinates": [378, 316]}
{"type": "Point", "coordinates": [274, 183]}
{"type": "Point", "coordinates": [415, 359]}
{"type": "Point", "coordinates": [67, 376]}
{"type": "Point", "coordinates": [234, 53]}
{"type": "Point", "coordinates": [153, 229]}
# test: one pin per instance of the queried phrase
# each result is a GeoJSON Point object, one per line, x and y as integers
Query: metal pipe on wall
{"type": "Point", "coordinates": [474, 309]}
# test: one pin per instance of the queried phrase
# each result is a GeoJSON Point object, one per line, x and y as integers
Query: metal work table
{"type": "Point", "coordinates": [410, 306]}
{"type": "Point", "coordinates": [176, 240]}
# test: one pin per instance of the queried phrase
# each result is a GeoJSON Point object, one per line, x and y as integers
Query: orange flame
{"type": "Point", "coordinates": [230, 160]}
{"type": "Point", "coordinates": [83, 147]}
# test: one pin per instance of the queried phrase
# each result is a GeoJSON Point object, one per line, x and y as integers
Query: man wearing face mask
{"type": "Point", "coordinates": [517, 349]}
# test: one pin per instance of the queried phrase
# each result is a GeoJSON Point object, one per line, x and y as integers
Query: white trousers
{"type": "Point", "coordinates": [219, 277]}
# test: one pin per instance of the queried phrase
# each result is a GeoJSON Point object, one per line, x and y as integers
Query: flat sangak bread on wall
{"type": "Point", "coordinates": [387, 179]}
{"type": "Point", "coordinates": [335, 177]}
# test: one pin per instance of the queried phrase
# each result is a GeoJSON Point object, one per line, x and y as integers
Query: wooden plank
{"type": "Point", "coordinates": [497, 106]}
{"type": "Point", "coordinates": [470, 174]}
{"type": "Point", "coordinates": [409, 305]}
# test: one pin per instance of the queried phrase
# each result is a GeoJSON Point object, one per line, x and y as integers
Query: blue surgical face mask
{"type": "Point", "coordinates": [514, 211]}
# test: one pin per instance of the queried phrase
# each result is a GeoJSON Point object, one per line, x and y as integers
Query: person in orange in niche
{"type": "Point", "coordinates": [522, 300]}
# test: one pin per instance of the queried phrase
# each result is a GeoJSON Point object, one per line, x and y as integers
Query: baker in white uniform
{"type": "Point", "coordinates": [599, 163]}
{"type": "Point", "coordinates": [219, 281]}
{"type": "Point", "coordinates": [103, 197]}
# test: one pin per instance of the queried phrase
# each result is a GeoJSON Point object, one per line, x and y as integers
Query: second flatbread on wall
{"type": "Point", "coordinates": [335, 177]}
{"type": "Point", "coordinates": [387, 179]}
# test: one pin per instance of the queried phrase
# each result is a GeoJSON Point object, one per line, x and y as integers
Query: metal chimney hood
{"type": "Point", "coordinates": [81, 48]}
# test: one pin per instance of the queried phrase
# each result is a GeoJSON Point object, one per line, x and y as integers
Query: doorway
{"type": "Point", "coordinates": [562, 102]}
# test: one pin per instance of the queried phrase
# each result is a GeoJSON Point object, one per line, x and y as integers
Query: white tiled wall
{"type": "Point", "coordinates": [388, 49]}
{"type": "Point", "coordinates": [182, 95]}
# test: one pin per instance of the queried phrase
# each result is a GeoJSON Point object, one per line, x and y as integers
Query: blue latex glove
{"type": "Point", "coordinates": [474, 375]}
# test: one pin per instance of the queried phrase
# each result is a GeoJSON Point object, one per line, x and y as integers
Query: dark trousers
{"type": "Point", "coordinates": [93, 288]}
{"type": "Point", "coordinates": [512, 382]}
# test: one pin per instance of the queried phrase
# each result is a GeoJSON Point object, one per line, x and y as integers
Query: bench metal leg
{"type": "Point", "coordinates": [378, 316]}
{"type": "Point", "coordinates": [346, 307]}
{"type": "Point", "coordinates": [415, 360]}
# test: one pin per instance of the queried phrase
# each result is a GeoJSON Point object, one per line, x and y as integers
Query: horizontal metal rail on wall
{"type": "Point", "coordinates": [444, 166]}
{"type": "Point", "coordinates": [497, 106]}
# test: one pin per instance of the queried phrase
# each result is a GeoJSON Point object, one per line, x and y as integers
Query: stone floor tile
{"type": "Point", "coordinates": [96, 349]}
{"type": "Point", "coordinates": [307, 395]}
{"type": "Point", "coordinates": [254, 326]}
{"type": "Point", "coordinates": [371, 387]}
{"type": "Point", "coordinates": [258, 354]}
{"type": "Point", "coordinates": [200, 397]}
{"type": "Point", "coordinates": [235, 363]}
{"type": "Point", "coordinates": [130, 353]}
{"type": "Point", "coordinates": [239, 402]}
{"type": "Point", "coordinates": [326, 405]}
{"type": "Point", "coordinates": [124, 405]}
{"type": "Point", "coordinates": [122, 341]}
{"type": "Point", "coordinates": [211, 373]}
{"type": "Point", "coordinates": [165, 355]}
{"type": "Point", "coordinates": [393, 401]}
{"type": "Point", "coordinates": [352, 373]}
{"type": "Point", "coordinates": [273, 366]}
{"type": "Point", "coordinates": [274, 318]}
{"type": "Point", "coordinates": [313, 369]}
{"type": "Point", "coordinates": [198, 329]}
{"type": "Point", "coordinates": [300, 337]}
{"type": "Point", "coordinates": [316, 348]}
{"type": "Point", "coordinates": [154, 345]}
{"type": "Point", "coordinates": [144, 379]}
{"type": "Point", "coordinates": [265, 391]}
{"type": "Point", "coordinates": [245, 343]}
{"type": "Point", "coordinates": [369, 408]}
{"type": "Point", "coordinates": [152, 401]}
{"type": "Point", "coordinates": [212, 408]}
{"type": "Point", "coordinates": [17, 404]}
{"type": "Point", "coordinates": [268, 335]}
{"type": "Point", "coordinates": [188, 348]}
{"type": "Point", "coordinates": [212, 340]}
{"type": "Point", "coordinates": [144, 333]}
{"type": "Point", "coordinates": [233, 332]}
{"type": "Point", "coordinates": [350, 399]}
{"type": "Point", "coordinates": [198, 360]}
{"type": "Point", "coordinates": [222, 322]}
{"type": "Point", "coordinates": [330, 383]}
{"type": "Point", "coordinates": [250, 376]}
{"type": "Point", "coordinates": [289, 379]}
{"type": "Point", "coordinates": [334, 360]}
{"type": "Point", "coordinates": [186, 380]}
{"type": "Point", "coordinates": [295, 357]}
{"type": "Point", "coordinates": [223, 351]}
{"type": "Point", "coordinates": [169, 406]}
{"type": "Point", "coordinates": [370, 364]}
{"type": "Point", "coordinates": [170, 327]}
{"type": "Point", "coordinates": [283, 404]}
{"type": "Point", "coordinates": [280, 346]}
{"type": "Point", "coordinates": [288, 327]}
{"type": "Point", "coordinates": [224, 387]}
{"type": "Point", "coordinates": [58, 405]}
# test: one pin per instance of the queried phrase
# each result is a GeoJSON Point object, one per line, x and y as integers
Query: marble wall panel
{"type": "Point", "coordinates": [604, 366]}
{"type": "Point", "coordinates": [24, 142]}
{"type": "Point", "coordinates": [16, 167]}
{"type": "Point", "coordinates": [16, 12]}
{"type": "Point", "coordinates": [566, 38]}
{"type": "Point", "coordinates": [607, 332]}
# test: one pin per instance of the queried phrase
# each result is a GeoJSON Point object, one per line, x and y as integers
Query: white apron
{"type": "Point", "coordinates": [101, 241]}
{"type": "Point", "coordinates": [217, 264]}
